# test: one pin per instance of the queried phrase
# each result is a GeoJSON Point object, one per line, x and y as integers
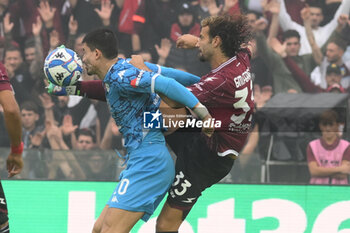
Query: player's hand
{"type": "Point", "coordinates": [187, 41]}
{"type": "Point", "coordinates": [55, 90]}
{"type": "Point", "coordinates": [14, 164]}
{"type": "Point", "coordinates": [61, 91]}
{"type": "Point", "coordinates": [208, 130]}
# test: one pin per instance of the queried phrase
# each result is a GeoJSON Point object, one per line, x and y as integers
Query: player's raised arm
{"type": "Point", "coordinates": [187, 41]}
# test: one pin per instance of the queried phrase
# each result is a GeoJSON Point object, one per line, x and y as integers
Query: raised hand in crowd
{"type": "Point", "coordinates": [67, 126]}
{"type": "Point", "coordinates": [262, 95]}
{"type": "Point", "coordinates": [110, 131]}
{"type": "Point", "coordinates": [213, 8]}
{"type": "Point", "coordinates": [343, 20]}
{"type": "Point", "coordinates": [260, 25]}
{"type": "Point", "coordinates": [37, 139]}
{"type": "Point", "coordinates": [274, 6]}
{"type": "Point", "coordinates": [163, 50]}
{"type": "Point", "coordinates": [36, 27]}
{"type": "Point", "coordinates": [46, 101]}
{"type": "Point", "coordinates": [105, 12]}
{"type": "Point", "coordinates": [228, 4]}
{"type": "Point", "coordinates": [8, 25]}
{"type": "Point", "coordinates": [72, 25]}
{"type": "Point", "coordinates": [47, 13]}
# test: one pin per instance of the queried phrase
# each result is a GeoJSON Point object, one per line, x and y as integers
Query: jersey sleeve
{"type": "Point", "coordinates": [346, 155]}
{"type": "Point", "coordinates": [133, 80]}
{"type": "Point", "coordinates": [4, 80]}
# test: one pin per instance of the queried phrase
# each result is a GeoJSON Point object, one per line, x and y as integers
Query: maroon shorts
{"type": "Point", "coordinates": [196, 168]}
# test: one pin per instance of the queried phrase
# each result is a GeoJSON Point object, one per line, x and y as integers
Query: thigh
{"type": "Point", "coordinates": [119, 220]}
{"type": "Point", "coordinates": [145, 181]}
{"type": "Point", "coordinates": [197, 168]}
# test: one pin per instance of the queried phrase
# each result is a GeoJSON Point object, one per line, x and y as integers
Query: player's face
{"type": "Point", "coordinates": [89, 60]}
{"type": "Point", "coordinates": [316, 16]}
{"type": "Point", "coordinates": [204, 44]}
{"type": "Point", "coordinates": [292, 46]}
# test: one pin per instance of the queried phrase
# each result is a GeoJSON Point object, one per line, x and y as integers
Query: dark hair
{"type": "Point", "coordinates": [290, 33]}
{"type": "Point", "coordinates": [12, 48]}
{"type": "Point", "coordinates": [316, 4]}
{"type": "Point", "coordinates": [29, 43]}
{"type": "Point", "coordinates": [29, 106]}
{"type": "Point", "coordinates": [234, 31]}
{"type": "Point", "coordinates": [87, 132]}
{"type": "Point", "coordinates": [339, 42]}
{"type": "Point", "coordinates": [257, 14]}
{"type": "Point", "coordinates": [104, 40]}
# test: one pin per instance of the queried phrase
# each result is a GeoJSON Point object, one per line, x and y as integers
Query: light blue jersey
{"type": "Point", "coordinates": [130, 93]}
{"type": "Point", "coordinates": [150, 169]}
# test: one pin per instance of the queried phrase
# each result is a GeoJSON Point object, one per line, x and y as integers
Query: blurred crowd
{"type": "Point", "coordinates": [299, 46]}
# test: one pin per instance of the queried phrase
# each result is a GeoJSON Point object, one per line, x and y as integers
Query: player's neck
{"type": "Point", "coordinates": [217, 60]}
{"type": "Point", "coordinates": [105, 66]}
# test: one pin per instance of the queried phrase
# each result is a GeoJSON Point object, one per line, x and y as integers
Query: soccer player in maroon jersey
{"type": "Point", "coordinates": [14, 127]}
{"type": "Point", "coordinates": [227, 93]}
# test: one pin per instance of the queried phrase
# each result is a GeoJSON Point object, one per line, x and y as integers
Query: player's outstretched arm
{"type": "Point", "coordinates": [90, 89]}
{"type": "Point", "coordinates": [180, 76]}
{"type": "Point", "coordinates": [185, 78]}
{"type": "Point", "coordinates": [14, 128]}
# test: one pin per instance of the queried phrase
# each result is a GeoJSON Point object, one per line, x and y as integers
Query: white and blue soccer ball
{"type": "Point", "coordinates": [63, 67]}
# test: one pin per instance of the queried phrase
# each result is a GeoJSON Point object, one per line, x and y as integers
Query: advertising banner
{"type": "Point", "coordinates": [73, 206]}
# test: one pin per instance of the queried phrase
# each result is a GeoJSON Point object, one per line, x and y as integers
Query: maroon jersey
{"type": "Point", "coordinates": [4, 80]}
{"type": "Point", "coordinates": [227, 93]}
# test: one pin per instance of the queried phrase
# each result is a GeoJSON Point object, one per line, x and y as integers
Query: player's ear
{"type": "Point", "coordinates": [216, 41]}
{"type": "Point", "coordinates": [98, 53]}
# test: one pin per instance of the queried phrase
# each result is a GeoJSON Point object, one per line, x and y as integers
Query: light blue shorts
{"type": "Point", "coordinates": [145, 181]}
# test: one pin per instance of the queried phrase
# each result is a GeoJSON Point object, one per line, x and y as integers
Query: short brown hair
{"type": "Point", "coordinates": [328, 116]}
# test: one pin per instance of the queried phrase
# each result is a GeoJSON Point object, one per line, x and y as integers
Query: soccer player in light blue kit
{"type": "Point", "coordinates": [130, 92]}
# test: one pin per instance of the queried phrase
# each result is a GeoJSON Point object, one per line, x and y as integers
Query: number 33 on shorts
{"type": "Point", "coordinates": [183, 182]}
